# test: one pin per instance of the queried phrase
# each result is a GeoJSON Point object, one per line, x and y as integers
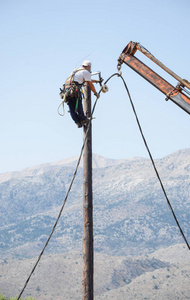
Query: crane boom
{"type": "Point", "coordinates": [179, 94]}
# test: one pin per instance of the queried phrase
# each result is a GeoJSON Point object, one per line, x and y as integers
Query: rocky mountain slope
{"type": "Point", "coordinates": [137, 255]}
{"type": "Point", "coordinates": [163, 275]}
{"type": "Point", "coordinates": [131, 215]}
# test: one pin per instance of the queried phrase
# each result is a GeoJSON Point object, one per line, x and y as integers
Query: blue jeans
{"type": "Point", "coordinates": [76, 114]}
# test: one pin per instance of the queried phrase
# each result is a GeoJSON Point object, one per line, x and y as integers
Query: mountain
{"type": "Point", "coordinates": [131, 215]}
{"type": "Point", "coordinates": [162, 275]}
{"type": "Point", "coordinates": [97, 162]}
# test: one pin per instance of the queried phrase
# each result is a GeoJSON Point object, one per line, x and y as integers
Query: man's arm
{"type": "Point", "coordinates": [92, 87]}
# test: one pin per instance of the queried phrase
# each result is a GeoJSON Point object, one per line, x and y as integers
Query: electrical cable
{"type": "Point", "coordinates": [75, 172]}
{"type": "Point", "coordinates": [151, 158]}
{"type": "Point", "coordinates": [153, 163]}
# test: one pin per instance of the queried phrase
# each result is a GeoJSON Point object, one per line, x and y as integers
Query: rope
{"type": "Point", "coordinates": [75, 172]}
{"type": "Point", "coordinates": [58, 109]}
{"type": "Point", "coordinates": [62, 103]}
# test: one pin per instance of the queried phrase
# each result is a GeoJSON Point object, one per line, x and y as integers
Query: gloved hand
{"type": "Point", "coordinates": [100, 80]}
{"type": "Point", "coordinates": [97, 95]}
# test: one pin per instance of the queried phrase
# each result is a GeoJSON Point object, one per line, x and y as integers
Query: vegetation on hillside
{"type": "Point", "coordinates": [2, 297]}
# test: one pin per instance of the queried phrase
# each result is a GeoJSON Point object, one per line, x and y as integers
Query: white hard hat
{"type": "Point", "coordinates": [86, 63]}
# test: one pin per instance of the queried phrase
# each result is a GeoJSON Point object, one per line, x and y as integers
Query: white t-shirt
{"type": "Point", "coordinates": [82, 75]}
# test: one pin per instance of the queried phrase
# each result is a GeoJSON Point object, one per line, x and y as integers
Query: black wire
{"type": "Point", "coordinates": [75, 172]}
{"type": "Point", "coordinates": [153, 163]}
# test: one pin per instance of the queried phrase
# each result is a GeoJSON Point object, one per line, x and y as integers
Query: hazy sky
{"type": "Point", "coordinates": [41, 42]}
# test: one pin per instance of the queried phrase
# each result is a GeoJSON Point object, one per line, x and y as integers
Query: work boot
{"type": "Point", "coordinates": [85, 121]}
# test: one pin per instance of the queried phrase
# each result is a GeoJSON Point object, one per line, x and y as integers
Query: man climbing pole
{"type": "Point", "coordinates": [73, 94]}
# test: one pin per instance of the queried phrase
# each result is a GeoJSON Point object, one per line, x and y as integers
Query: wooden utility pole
{"type": "Point", "coordinates": [88, 255]}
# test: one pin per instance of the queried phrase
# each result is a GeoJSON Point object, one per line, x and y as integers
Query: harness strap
{"type": "Point", "coordinates": [70, 78]}
{"type": "Point", "coordinates": [77, 105]}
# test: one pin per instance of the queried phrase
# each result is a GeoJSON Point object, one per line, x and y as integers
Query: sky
{"type": "Point", "coordinates": [41, 42]}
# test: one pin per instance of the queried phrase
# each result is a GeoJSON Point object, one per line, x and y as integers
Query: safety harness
{"type": "Point", "coordinates": [71, 89]}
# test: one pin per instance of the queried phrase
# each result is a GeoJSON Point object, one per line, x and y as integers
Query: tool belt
{"type": "Point", "coordinates": [72, 90]}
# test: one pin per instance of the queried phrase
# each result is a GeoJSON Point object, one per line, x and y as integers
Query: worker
{"type": "Point", "coordinates": [74, 95]}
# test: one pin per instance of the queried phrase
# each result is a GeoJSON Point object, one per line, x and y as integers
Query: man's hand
{"type": "Point", "coordinates": [100, 80]}
{"type": "Point", "coordinates": [97, 95]}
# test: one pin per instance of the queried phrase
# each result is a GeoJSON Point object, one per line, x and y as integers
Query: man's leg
{"type": "Point", "coordinates": [74, 115]}
{"type": "Point", "coordinates": [81, 111]}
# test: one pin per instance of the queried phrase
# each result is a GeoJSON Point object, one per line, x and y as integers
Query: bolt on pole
{"type": "Point", "coordinates": [88, 251]}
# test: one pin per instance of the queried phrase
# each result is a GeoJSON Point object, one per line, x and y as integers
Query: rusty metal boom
{"type": "Point", "coordinates": [179, 95]}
